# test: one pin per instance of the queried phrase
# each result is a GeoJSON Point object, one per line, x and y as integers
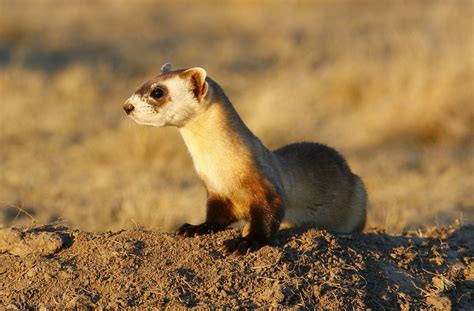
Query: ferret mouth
{"type": "Point", "coordinates": [138, 120]}
{"type": "Point", "coordinates": [142, 121]}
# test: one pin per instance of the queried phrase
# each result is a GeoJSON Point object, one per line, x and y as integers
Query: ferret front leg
{"type": "Point", "coordinates": [218, 217]}
{"type": "Point", "coordinates": [264, 223]}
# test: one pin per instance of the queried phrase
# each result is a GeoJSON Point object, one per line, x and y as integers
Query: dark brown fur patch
{"type": "Point", "coordinates": [219, 210]}
{"type": "Point", "coordinates": [266, 209]}
{"type": "Point", "coordinates": [162, 100]}
{"type": "Point", "coordinates": [145, 89]}
{"type": "Point", "coordinates": [199, 86]}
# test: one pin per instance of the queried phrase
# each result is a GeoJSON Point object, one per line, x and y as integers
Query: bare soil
{"type": "Point", "coordinates": [47, 267]}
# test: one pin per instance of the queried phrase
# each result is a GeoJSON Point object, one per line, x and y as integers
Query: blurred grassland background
{"type": "Point", "coordinates": [390, 84]}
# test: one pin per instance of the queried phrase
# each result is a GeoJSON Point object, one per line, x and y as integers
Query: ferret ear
{"type": "Point", "coordinates": [197, 77]}
{"type": "Point", "coordinates": [166, 68]}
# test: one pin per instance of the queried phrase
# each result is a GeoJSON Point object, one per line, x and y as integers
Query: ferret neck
{"type": "Point", "coordinates": [219, 123]}
{"type": "Point", "coordinates": [217, 133]}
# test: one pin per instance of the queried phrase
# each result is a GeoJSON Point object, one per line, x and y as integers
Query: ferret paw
{"type": "Point", "coordinates": [189, 230]}
{"type": "Point", "coordinates": [241, 246]}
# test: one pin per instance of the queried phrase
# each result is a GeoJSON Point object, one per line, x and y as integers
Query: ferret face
{"type": "Point", "coordinates": [172, 98]}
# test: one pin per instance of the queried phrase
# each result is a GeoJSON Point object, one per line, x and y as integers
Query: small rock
{"type": "Point", "coordinates": [47, 276]}
{"type": "Point", "coordinates": [439, 302]}
{"type": "Point", "coordinates": [223, 293]}
{"type": "Point", "coordinates": [316, 291]}
{"type": "Point", "coordinates": [438, 283]}
{"type": "Point", "coordinates": [71, 303]}
{"type": "Point", "coordinates": [22, 243]}
{"type": "Point", "coordinates": [64, 275]}
{"type": "Point", "coordinates": [31, 273]}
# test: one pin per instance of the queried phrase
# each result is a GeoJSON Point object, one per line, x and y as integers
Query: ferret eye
{"type": "Point", "coordinates": [157, 93]}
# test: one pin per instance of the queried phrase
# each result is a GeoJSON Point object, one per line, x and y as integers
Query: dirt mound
{"type": "Point", "coordinates": [56, 267]}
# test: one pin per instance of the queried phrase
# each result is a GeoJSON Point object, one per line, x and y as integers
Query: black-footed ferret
{"type": "Point", "coordinates": [299, 184]}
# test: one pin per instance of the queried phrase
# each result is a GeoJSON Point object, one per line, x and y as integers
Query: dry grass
{"type": "Point", "coordinates": [388, 83]}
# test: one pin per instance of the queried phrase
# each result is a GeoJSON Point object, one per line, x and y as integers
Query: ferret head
{"type": "Point", "coordinates": [171, 98]}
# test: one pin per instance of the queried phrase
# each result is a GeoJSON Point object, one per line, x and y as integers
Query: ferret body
{"type": "Point", "coordinates": [299, 184]}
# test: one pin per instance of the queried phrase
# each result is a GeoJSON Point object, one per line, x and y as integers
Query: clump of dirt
{"type": "Point", "coordinates": [20, 243]}
{"type": "Point", "coordinates": [307, 268]}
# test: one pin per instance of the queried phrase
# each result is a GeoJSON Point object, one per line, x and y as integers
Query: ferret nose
{"type": "Point", "coordinates": [128, 108]}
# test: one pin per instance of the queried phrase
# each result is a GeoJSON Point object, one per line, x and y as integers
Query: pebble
{"type": "Point", "coordinates": [64, 275]}
{"type": "Point", "coordinates": [31, 273]}
{"type": "Point", "coordinates": [47, 276]}
{"type": "Point", "coordinates": [223, 293]}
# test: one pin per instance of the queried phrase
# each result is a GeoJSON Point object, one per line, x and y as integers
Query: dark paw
{"type": "Point", "coordinates": [195, 230]}
{"type": "Point", "coordinates": [241, 246]}
{"type": "Point", "coordinates": [187, 230]}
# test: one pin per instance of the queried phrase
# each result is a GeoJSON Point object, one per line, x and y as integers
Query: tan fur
{"type": "Point", "coordinates": [311, 184]}
{"type": "Point", "coordinates": [223, 156]}
{"type": "Point", "coordinates": [315, 193]}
